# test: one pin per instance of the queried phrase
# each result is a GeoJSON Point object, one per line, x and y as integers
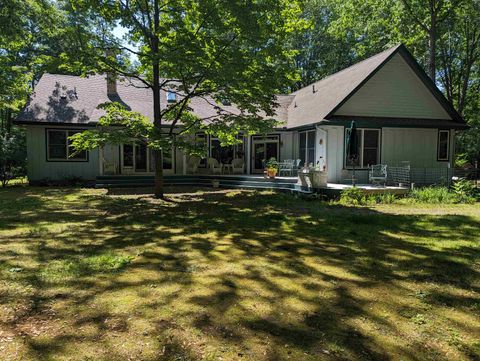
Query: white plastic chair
{"type": "Point", "coordinates": [238, 166]}
{"type": "Point", "coordinates": [214, 165]}
{"type": "Point", "coordinates": [192, 164]}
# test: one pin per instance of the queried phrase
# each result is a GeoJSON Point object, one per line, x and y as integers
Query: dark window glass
{"type": "Point", "coordinates": [370, 147]}
{"type": "Point", "coordinates": [167, 159]}
{"type": "Point", "coordinates": [128, 155]}
{"type": "Point", "coordinates": [370, 157]}
{"type": "Point", "coordinates": [311, 156]}
{"type": "Point", "coordinates": [370, 138]}
{"type": "Point", "coordinates": [141, 157]}
{"type": "Point", "coordinates": [443, 138]}
{"type": "Point", "coordinates": [57, 144]}
{"type": "Point", "coordinates": [271, 151]}
{"type": "Point", "coordinates": [311, 140]}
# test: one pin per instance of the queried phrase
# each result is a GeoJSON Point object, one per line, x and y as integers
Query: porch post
{"type": "Point", "coordinates": [100, 159]}
{"type": "Point", "coordinates": [184, 165]}
{"type": "Point", "coordinates": [248, 157]}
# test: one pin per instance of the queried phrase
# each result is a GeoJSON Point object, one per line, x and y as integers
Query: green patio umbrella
{"type": "Point", "coordinates": [352, 146]}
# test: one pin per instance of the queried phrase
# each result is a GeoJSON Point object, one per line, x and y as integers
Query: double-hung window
{"type": "Point", "coordinates": [307, 148]}
{"type": "Point", "coordinates": [368, 149]}
{"type": "Point", "coordinates": [59, 147]}
{"type": "Point", "coordinates": [443, 145]}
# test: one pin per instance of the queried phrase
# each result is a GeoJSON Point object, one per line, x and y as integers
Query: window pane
{"type": "Point", "coordinates": [303, 140]}
{"type": "Point", "coordinates": [216, 150]}
{"type": "Point", "coordinates": [167, 160]}
{"type": "Point", "coordinates": [128, 155]}
{"type": "Point", "coordinates": [311, 156]}
{"type": "Point", "coordinates": [58, 137]}
{"type": "Point", "coordinates": [311, 140]}
{"type": "Point", "coordinates": [370, 139]}
{"type": "Point", "coordinates": [57, 152]}
{"type": "Point", "coordinates": [57, 144]}
{"type": "Point", "coordinates": [370, 156]}
{"type": "Point", "coordinates": [443, 145]}
{"type": "Point", "coordinates": [171, 97]}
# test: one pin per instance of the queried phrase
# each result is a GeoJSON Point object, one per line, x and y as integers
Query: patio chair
{"type": "Point", "coordinates": [192, 164]}
{"type": "Point", "coordinates": [378, 174]}
{"type": "Point", "coordinates": [214, 165]}
{"type": "Point", "coordinates": [286, 167]}
{"type": "Point", "coordinates": [238, 166]}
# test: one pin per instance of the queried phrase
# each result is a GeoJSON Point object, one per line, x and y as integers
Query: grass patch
{"type": "Point", "coordinates": [235, 275]}
{"type": "Point", "coordinates": [59, 270]}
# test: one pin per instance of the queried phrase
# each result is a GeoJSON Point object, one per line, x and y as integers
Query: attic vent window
{"type": "Point", "coordinates": [225, 101]}
{"type": "Point", "coordinates": [171, 97]}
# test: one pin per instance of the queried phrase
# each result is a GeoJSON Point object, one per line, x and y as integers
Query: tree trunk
{"type": "Point", "coordinates": [432, 42]}
{"type": "Point", "coordinates": [157, 123]}
{"type": "Point", "coordinates": [157, 114]}
{"type": "Point", "coordinates": [432, 56]}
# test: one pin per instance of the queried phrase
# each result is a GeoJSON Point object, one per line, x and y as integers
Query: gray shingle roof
{"type": "Point", "coordinates": [72, 99]}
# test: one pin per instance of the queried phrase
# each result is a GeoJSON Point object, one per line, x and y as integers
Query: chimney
{"type": "Point", "coordinates": [111, 84]}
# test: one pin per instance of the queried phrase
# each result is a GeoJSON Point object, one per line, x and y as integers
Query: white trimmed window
{"type": "Point", "coordinates": [171, 97]}
{"type": "Point", "coordinates": [368, 148]}
{"type": "Point", "coordinates": [59, 147]}
{"type": "Point", "coordinates": [443, 145]}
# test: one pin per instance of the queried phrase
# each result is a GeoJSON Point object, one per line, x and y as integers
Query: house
{"type": "Point", "coordinates": [400, 114]}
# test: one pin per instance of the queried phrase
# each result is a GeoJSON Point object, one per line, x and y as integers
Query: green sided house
{"type": "Point", "coordinates": [401, 117]}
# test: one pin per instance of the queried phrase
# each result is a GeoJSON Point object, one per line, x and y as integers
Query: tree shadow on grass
{"type": "Point", "coordinates": [248, 274]}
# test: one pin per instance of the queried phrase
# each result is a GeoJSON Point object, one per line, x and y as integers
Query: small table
{"type": "Point", "coordinates": [227, 167]}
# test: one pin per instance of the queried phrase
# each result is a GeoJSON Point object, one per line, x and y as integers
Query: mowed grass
{"type": "Point", "coordinates": [234, 275]}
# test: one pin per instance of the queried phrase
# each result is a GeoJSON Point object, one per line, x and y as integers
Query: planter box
{"type": "Point", "coordinates": [318, 178]}
{"type": "Point", "coordinates": [312, 179]}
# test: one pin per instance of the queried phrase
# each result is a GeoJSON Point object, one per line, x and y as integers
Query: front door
{"type": "Point", "coordinates": [264, 148]}
{"type": "Point", "coordinates": [138, 158]}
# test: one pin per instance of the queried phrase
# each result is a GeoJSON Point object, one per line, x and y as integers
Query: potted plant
{"type": "Point", "coordinates": [272, 168]}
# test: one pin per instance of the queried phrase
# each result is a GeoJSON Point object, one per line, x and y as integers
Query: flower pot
{"type": "Point", "coordinates": [271, 172]}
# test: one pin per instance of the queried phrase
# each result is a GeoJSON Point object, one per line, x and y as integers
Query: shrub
{"type": "Point", "coordinates": [433, 194]}
{"type": "Point", "coordinates": [353, 196]}
{"type": "Point", "coordinates": [356, 196]}
{"type": "Point", "coordinates": [461, 192]}
{"type": "Point", "coordinates": [465, 191]}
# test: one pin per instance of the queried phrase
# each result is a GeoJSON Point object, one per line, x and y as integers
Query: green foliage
{"type": "Point", "coordinates": [272, 163]}
{"type": "Point", "coordinates": [353, 196]}
{"type": "Point", "coordinates": [357, 197]}
{"type": "Point", "coordinates": [460, 193]}
{"type": "Point", "coordinates": [466, 191]}
{"type": "Point", "coordinates": [12, 154]}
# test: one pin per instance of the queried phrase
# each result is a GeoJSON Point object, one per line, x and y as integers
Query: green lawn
{"type": "Point", "coordinates": [227, 275]}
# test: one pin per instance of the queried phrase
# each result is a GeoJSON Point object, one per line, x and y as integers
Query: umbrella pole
{"type": "Point", "coordinates": [353, 177]}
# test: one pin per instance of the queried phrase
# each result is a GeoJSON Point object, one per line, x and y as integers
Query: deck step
{"type": "Point", "coordinates": [225, 181]}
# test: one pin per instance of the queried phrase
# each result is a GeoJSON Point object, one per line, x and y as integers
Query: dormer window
{"type": "Point", "coordinates": [171, 97]}
{"type": "Point", "coordinates": [225, 101]}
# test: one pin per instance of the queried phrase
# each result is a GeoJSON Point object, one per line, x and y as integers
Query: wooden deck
{"type": "Point", "coordinates": [288, 184]}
